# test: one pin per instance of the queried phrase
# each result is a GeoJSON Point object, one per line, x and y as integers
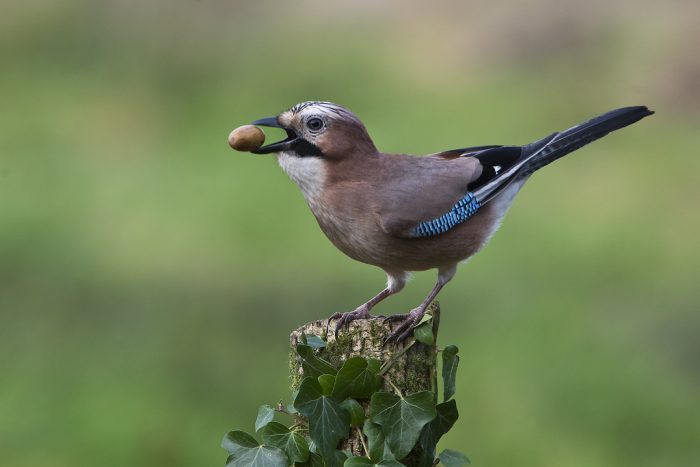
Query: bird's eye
{"type": "Point", "coordinates": [314, 124]}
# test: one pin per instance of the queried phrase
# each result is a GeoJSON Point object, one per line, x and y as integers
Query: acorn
{"type": "Point", "coordinates": [246, 138]}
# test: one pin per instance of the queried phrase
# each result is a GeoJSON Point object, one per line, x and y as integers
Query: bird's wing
{"type": "Point", "coordinates": [428, 196]}
{"type": "Point", "coordinates": [416, 189]}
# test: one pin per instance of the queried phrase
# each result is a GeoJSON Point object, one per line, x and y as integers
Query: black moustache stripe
{"type": "Point", "coordinates": [305, 149]}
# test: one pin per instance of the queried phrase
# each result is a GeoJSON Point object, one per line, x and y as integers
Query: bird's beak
{"type": "Point", "coordinates": [283, 145]}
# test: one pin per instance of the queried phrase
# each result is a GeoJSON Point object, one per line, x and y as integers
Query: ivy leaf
{"type": "Point", "coordinates": [402, 418]}
{"type": "Point", "coordinates": [450, 361]}
{"type": "Point", "coordinates": [235, 440]}
{"type": "Point", "coordinates": [265, 416]}
{"type": "Point", "coordinates": [451, 458]}
{"type": "Point", "coordinates": [327, 382]}
{"type": "Point", "coordinates": [376, 445]}
{"type": "Point", "coordinates": [247, 452]}
{"type": "Point", "coordinates": [314, 341]}
{"type": "Point", "coordinates": [357, 413]}
{"type": "Point", "coordinates": [357, 378]}
{"type": "Point", "coordinates": [424, 333]}
{"type": "Point", "coordinates": [337, 460]}
{"type": "Point", "coordinates": [314, 461]}
{"type": "Point", "coordinates": [291, 442]}
{"type": "Point", "coordinates": [426, 317]}
{"type": "Point", "coordinates": [261, 456]}
{"type": "Point", "coordinates": [432, 432]}
{"type": "Point", "coordinates": [328, 421]}
{"type": "Point", "coordinates": [313, 365]}
{"type": "Point", "coordinates": [364, 462]}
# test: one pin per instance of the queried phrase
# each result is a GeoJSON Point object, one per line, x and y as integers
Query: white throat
{"type": "Point", "coordinates": [308, 173]}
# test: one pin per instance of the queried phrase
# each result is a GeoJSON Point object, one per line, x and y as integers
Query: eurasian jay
{"type": "Point", "coordinates": [404, 213]}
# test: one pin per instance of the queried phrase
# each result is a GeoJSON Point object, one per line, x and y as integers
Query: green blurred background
{"type": "Point", "coordinates": [149, 276]}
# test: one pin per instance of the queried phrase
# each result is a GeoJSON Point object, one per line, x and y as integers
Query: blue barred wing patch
{"type": "Point", "coordinates": [460, 212]}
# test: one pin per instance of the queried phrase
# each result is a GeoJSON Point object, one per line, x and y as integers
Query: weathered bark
{"type": "Point", "coordinates": [414, 366]}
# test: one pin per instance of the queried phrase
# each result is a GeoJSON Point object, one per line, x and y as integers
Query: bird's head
{"type": "Point", "coordinates": [319, 129]}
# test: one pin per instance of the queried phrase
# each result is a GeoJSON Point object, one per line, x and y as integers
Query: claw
{"type": "Point", "coordinates": [389, 319]}
{"type": "Point", "coordinates": [332, 317]}
{"type": "Point", "coordinates": [343, 320]}
{"type": "Point", "coordinates": [405, 329]}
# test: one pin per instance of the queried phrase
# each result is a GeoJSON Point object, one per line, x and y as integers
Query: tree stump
{"type": "Point", "coordinates": [413, 367]}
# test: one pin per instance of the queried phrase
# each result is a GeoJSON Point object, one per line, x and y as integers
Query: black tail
{"type": "Point", "coordinates": [534, 156]}
{"type": "Point", "coordinates": [560, 144]}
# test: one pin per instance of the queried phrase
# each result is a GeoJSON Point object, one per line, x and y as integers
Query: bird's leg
{"type": "Point", "coordinates": [395, 282]}
{"type": "Point", "coordinates": [361, 312]}
{"type": "Point", "coordinates": [411, 319]}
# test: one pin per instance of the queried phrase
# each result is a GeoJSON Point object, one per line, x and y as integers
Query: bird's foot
{"type": "Point", "coordinates": [343, 320]}
{"type": "Point", "coordinates": [408, 321]}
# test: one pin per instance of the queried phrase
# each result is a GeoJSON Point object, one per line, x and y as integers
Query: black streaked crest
{"type": "Point", "coordinates": [326, 108]}
{"type": "Point", "coordinates": [330, 106]}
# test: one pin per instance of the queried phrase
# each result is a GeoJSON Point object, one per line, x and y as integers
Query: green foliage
{"type": "Point", "coordinates": [245, 451]}
{"type": "Point", "coordinates": [450, 458]}
{"type": "Point", "coordinates": [236, 440]}
{"type": "Point", "coordinates": [432, 432]}
{"type": "Point", "coordinates": [376, 444]}
{"type": "Point", "coordinates": [291, 442]}
{"type": "Point", "coordinates": [424, 333]}
{"type": "Point", "coordinates": [337, 460]}
{"type": "Point", "coordinates": [364, 462]}
{"type": "Point", "coordinates": [314, 341]}
{"type": "Point", "coordinates": [315, 460]}
{"type": "Point", "coordinates": [328, 421]}
{"type": "Point", "coordinates": [450, 361]}
{"type": "Point", "coordinates": [402, 418]}
{"type": "Point", "coordinates": [357, 413]}
{"type": "Point", "coordinates": [358, 378]}
{"type": "Point", "coordinates": [327, 383]}
{"type": "Point", "coordinates": [265, 416]}
{"type": "Point", "coordinates": [312, 365]}
{"type": "Point", "coordinates": [330, 401]}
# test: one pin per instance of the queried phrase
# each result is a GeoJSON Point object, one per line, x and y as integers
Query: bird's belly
{"type": "Point", "coordinates": [363, 240]}
{"type": "Point", "coordinates": [369, 244]}
{"type": "Point", "coordinates": [355, 237]}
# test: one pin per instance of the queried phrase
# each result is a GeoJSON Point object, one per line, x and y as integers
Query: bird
{"type": "Point", "coordinates": [405, 213]}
